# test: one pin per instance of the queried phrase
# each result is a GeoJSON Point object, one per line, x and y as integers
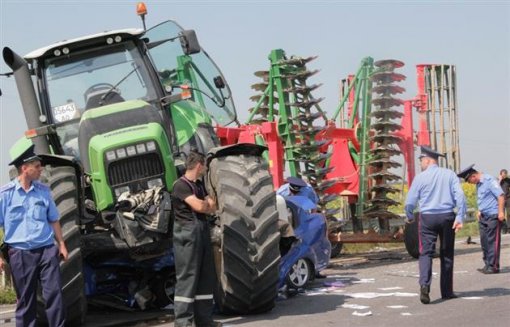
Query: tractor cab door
{"type": "Point", "coordinates": [166, 45]}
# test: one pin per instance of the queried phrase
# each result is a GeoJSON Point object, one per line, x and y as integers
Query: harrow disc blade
{"type": "Point", "coordinates": [260, 86]}
{"type": "Point", "coordinates": [303, 88]}
{"type": "Point", "coordinates": [313, 145]}
{"type": "Point", "coordinates": [387, 77]}
{"type": "Point", "coordinates": [386, 114]}
{"type": "Point", "coordinates": [297, 61]}
{"type": "Point", "coordinates": [388, 89]}
{"type": "Point", "coordinates": [385, 151]}
{"type": "Point", "coordinates": [384, 202]}
{"type": "Point", "coordinates": [324, 185]}
{"type": "Point", "coordinates": [386, 126]}
{"type": "Point", "coordinates": [306, 103]}
{"type": "Point", "coordinates": [389, 63]}
{"type": "Point", "coordinates": [385, 138]}
{"type": "Point", "coordinates": [386, 176]}
{"type": "Point", "coordinates": [381, 213]}
{"type": "Point", "coordinates": [387, 102]}
{"type": "Point", "coordinates": [387, 188]}
{"type": "Point", "coordinates": [256, 98]}
{"type": "Point", "coordinates": [386, 163]}
{"type": "Point", "coordinates": [262, 74]}
{"type": "Point", "coordinates": [301, 75]}
{"type": "Point", "coordinates": [309, 117]}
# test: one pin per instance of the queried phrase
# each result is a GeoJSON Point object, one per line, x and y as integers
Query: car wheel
{"type": "Point", "coordinates": [300, 274]}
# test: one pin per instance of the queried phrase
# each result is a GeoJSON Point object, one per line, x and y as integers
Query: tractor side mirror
{"type": "Point", "coordinates": [189, 42]}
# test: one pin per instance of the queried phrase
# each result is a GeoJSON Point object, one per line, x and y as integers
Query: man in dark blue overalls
{"type": "Point", "coordinates": [29, 218]}
{"type": "Point", "coordinates": [438, 192]}
{"type": "Point", "coordinates": [194, 265]}
{"type": "Point", "coordinates": [491, 213]}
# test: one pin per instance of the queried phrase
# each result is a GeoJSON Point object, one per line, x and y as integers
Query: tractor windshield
{"type": "Point", "coordinates": [196, 70]}
{"type": "Point", "coordinates": [93, 78]}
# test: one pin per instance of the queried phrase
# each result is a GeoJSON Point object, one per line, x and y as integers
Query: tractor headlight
{"type": "Point", "coordinates": [140, 148]}
{"type": "Point", "coordinates": [151, 146]}
{"type": "Point", "coordinates": [131, 151]}
{"type": "Point", "coordinates": [154, 183]}
{"type": "Point", "coordinates": [110, 155]}
{"type": "Point", "coordinates": [121, 153]}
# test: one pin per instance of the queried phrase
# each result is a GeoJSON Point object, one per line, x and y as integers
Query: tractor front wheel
{"type": "Point", "coordinates": [247, 252]}
{"type": "Point", "coordinates": [64, 190]}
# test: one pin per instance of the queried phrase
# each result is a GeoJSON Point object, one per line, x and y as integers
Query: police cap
{"type": "Point", "coordinates": [466, 172]}
{"type": "Point", "coordinates": [295, 183]}
{"type": "Point", "coordinates": [25, 155]}
{"type": "Point", "coordinates": [428, 152]}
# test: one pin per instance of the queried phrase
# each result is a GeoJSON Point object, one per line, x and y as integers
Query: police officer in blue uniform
{"type": "Point", "coordinates": [491, 213]}
{"type": "Point", "coordinates": [29, 218]}
{"type": "Point", "coordinates": [297, 186]}
{"type": "Point", "coordinates": [438, 192]}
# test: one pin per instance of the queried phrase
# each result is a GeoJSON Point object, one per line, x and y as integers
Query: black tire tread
{"type": "Point", "coordinates": [248, 271]}
{"type": "Point", "coordinates": [63, 184]}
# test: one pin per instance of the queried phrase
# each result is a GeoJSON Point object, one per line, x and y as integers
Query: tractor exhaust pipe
{"type": "Point", "coordinates": [27, 95]}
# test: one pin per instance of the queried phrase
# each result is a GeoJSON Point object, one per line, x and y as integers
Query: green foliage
{"type": "Point", "coordinates": [7, 296]}
{"type": "Point", "coordinates": [468, 229]}
{"type": "Point", "coordinates": [470, 193]}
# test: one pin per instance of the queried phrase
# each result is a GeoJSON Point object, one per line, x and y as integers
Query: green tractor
{"type": "Point", "coordinates": [115, 115]}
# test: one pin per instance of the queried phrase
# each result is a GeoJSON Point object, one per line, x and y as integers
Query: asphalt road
{"type": "Point", "coordinates": [376, 289]}
{"type": "Point", "coordinates": [382, 290]}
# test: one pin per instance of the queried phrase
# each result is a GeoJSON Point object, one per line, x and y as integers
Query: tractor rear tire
{"type": "Point", "coordinates": [247, 255]}
{"type": "Point", "coordinates": [411, 238]}
{"type": "Point", "coordinates": [64, 189]}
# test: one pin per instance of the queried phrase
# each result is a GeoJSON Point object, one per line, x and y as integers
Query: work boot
{"type": "Point", "coordinates": [424, 294]}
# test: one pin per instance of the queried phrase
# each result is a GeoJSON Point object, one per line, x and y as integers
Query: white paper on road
{"type": "Point", "coordinates": [355, 306]}
{"type": "Point", "coordinates": [402, 294]}
{"type": "Point", "coordinates": [390, 288]}
{"type": "Point", "coordinates": [364, 281]}
{"type": "Point", "coordinates": [373, 295]}
{"type": "Point", "coordinates": [405, 314]}
{"type": "Point", "coordinates": [471, 297]}
{"type": "Point", "coordinates": [362, 314]}
{"type": "Point", "coordinates": [396, 306]}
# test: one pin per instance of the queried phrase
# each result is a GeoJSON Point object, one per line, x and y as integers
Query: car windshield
{"type": "Point", "coordinates": [93, 78]}
{"type": "Point", "coordinates": [198, 70]}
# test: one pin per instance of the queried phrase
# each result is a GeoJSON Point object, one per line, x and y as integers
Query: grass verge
{"type": "Point", "coordinates": [7, 296]}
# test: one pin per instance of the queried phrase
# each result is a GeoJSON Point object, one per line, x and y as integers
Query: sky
{"type": "Point", "coordinates": [239, 35]}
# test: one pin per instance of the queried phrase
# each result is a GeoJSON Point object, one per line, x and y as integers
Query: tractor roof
{"type": "Point", "coordinates": [50, 48]}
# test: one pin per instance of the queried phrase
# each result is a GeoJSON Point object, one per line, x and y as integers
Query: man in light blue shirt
{"type": "Point", "coordinates": [491, 213]}
{"type": "Point", "coordinates": [438, 192]}
{"type": "Point", "coordinates": [29, 218]}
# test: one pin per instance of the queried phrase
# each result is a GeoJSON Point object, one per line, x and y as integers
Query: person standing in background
{"type": "Point", "coordinates": [491, 202]}
{"type": "Point", "coordinates": [504, 182]}
{"type": "Point", "coordinates": [438, 192]}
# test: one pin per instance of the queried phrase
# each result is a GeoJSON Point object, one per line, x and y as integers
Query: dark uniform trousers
{"type": "Point", "coordinates": [430, 226]}
{"type": "Point", "coordinates": [195, 273]}
{"type": "Point", "coordinates": [490, 237]}
{"type": "Point", "coordinates": [28, 266]}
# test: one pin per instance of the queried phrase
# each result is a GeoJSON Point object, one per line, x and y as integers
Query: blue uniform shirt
{"type": "Point", "coordinates": [437, 190]}
{"type": "Point", "coordinates": [26, 216]}
{"type": "Point", "coordinates": [488, 190]}
{"type": "Point", "coordinates": [307, 191]}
